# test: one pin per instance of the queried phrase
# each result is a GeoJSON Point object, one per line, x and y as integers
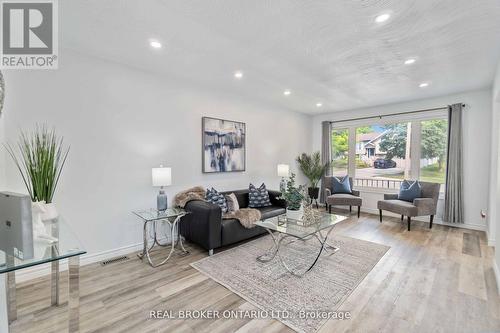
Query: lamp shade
{"type": "Point", "coordinates": [283, 170]}
{"type": "Point", "coordinates": [161, 176]}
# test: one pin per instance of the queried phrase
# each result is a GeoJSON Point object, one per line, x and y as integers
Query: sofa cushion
{"type": "Point", "coordinates": [232, 232]}
{"type": "Point", "coordinates": [258, 197]}
{"type": "Point", "coordinates": [271, 211]}
{"type": "Point", "coordinates": [232, 203]}
{"type": "Point", "coordinates": [399, 207]}
{"type": "Point", "coordinates": [341, 185]}
{"type": "Point", "coordinates": [344, 199]}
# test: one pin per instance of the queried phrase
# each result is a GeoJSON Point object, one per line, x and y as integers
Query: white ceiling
{"type": "Point", "coordinates": [328, 51]}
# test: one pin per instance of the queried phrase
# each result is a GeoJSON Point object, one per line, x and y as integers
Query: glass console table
{"type": "Point", "coordinates": [68, 247]}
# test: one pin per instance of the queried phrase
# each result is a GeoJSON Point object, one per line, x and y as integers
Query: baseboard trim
{"type": "Point", "coordinates": [497, 274]}
{"type": "Point", "coordinates": [86, 259]}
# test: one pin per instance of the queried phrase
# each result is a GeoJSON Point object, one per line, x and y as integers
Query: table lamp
{"type": "Point", "coordinates": [283, 172]}
{"type": "Point", "coordinates": [161, 176]}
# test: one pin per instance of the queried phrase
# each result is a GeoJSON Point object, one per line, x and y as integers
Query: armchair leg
{"type": "Point", "coordinates": [359, 211]}
{"type": "Point", "coordinates": [326, 206]}
{"type": "Point", "coordinates": [330, 209]}
{"type": "Point", "coordinates": [432, 220]}
{"type": "Point", "coordinates": [402, 217]}
{"type": "Point", "coordinates": [380, 212]}
{"type": "Point", "coordinates": [350, 209]}
{"type": "Point", "coordinates": [211, 252]}
{"type": "Point", "coordinates": [409, 221]}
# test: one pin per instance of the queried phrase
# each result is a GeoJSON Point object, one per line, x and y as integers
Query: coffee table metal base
{"type": "Point", "coordinates": [275, 250]}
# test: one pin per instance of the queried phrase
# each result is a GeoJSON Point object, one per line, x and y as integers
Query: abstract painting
{"type": "Point", "coordinates": [223, 145]}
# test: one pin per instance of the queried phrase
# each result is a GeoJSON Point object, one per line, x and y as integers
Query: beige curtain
{"type": "Point", "coordinates": [326, 152]}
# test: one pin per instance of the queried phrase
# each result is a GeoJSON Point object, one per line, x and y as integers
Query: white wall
{"type": "Point", "coordinates": [477, 140]}
{"type": "Point", "coordinates": [120, 122]}
{"type": "Point", "coordinates": [2, 154]}
{"type": "Point", "coordinates": [495, 166]}
{"type": "Point", "coordinates": [494, 227]}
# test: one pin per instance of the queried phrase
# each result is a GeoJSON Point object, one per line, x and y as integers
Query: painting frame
{"type": "Point", "coordinates": [204, 134]}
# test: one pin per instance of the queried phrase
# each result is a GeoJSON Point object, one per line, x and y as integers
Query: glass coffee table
{"type": "Point", "coordinates": [281, 228]}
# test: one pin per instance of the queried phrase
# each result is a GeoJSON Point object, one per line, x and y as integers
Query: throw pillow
{"type": "Point", "coordinates": [232, 203]}
{"type": "Point", "coordinates": [341, 185]}
{"type": "Point", "coordinates": [258, 197]}
{"type": "Point", "coordinates": [216, 198]}
{"type": "Point", "coordinates": [410, 191]}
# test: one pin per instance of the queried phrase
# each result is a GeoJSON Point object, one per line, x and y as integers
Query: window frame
{"type": "Point", "coordinates": [415, 119]}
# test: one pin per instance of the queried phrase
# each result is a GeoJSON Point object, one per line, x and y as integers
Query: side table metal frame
{"type": "Point", "coordinates": [174, 227]}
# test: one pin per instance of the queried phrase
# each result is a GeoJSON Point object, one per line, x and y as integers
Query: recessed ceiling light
{"type": "Point", "coordinates": [319, 104]}
{"type": "Point", "coordinates": [382, 17]}
{"type": "Point", "coordinates": [410, 61]}
{"type": "Point", "coordinates": [155, 44]}
{"type": "Point", "coordinates": [423, 84]}
{"type": "Point", "coordinates": [238, 74]}
{"type": "Point", "coordinates": [287, 92]}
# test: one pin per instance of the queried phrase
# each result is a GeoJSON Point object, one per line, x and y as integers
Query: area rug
{"type": "Point", "coordinates": [302, 303]}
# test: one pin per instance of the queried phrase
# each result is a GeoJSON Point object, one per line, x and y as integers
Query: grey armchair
{"type": "Point", "coordinates": [426, 205]}
{"type": "Point", "coordinates": [341, 199]}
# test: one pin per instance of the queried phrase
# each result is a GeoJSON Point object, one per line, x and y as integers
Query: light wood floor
{"type": "Point", "coordinates": [438, 280]}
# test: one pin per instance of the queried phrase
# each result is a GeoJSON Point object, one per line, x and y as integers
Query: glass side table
{"type": "Point", "coordinates": [152, 218]}
{"type": "Point", "coordinates": [67, 247]}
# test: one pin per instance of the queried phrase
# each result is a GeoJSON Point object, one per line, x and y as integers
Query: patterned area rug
{"type": "Point", "coordinates": [299, 301]}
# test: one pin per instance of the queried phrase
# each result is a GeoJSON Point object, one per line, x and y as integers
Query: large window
{"type": "Point", "coordinates": [384, 153]}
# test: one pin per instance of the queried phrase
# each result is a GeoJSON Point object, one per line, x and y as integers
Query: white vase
{"type": "Point", "coordinates": [295, 214]}
{"type": "Point", "coordinates": [50, 212]}
{"type": "Point", "coordinates": [38, 210]}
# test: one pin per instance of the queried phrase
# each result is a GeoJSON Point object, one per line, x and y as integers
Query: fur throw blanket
{"type": "Point", "coordinates": [193, 193]}
{"type": "Point", "coordinates": [246, 216]}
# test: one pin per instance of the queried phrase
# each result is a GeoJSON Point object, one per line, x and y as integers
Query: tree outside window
{"type": "Point", "coordinates": [340, 152]}
{"type": "Point", "coordinates": [434, 144]}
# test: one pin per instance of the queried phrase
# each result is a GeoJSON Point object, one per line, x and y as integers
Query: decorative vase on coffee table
{"type": "Point", "coordinates": [295, 214]}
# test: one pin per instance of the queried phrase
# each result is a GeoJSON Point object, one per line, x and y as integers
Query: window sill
{"type": "Point", "coordinates": [376, 190]}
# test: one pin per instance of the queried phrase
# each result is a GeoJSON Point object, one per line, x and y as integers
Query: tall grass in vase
{"type": "Point", "coordinates": [40, 156]}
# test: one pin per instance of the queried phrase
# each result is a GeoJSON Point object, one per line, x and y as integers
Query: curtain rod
{"type": "Point", "coordinates": [391, 114]}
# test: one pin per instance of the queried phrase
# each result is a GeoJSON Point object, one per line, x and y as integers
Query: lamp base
{"type": "Point", "coordinates": [161, 201]}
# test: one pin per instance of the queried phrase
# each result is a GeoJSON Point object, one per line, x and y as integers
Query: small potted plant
{"type": "Point", "coordinates": [293, 196]}
{"type": "Point", "coordinates": [313, 169]}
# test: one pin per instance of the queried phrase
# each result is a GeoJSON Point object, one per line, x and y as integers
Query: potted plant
{"type": "Point", "coordinates": [313, 169]}
{"type": "Point", "coordinates": [293, 196]}
{"type": "Point", "coordinates": [40, 157]}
